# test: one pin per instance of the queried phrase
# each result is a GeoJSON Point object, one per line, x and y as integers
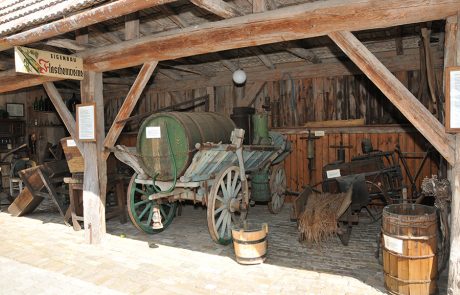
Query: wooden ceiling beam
{"type": "Point", "coordinates": [170, 74]}
{"type": "Point", "coordinates": [259, 6]}
{"type": "Point", "coordinates": [66, 43]}
{"type": "Point", "coordinates": [299, 70]}
{"type": "Point", "coordinates": [289, 23]}
{"type": "Point", "coordinates": [80, 20]}
{"type": "Point", "coordinates": [218, 7]}
{"type": "Point", "coordinates": [305, 54]}
{"type": "Point", "coordinates": [397, 93]}
{"type": "Point", "coordinates": [132, 26]}
{"type": "Point", "coordinates": [263, 57]}
{"type": "Point", "coordinates": [284, 24]}
{"type": "Point", "coordinates": [173, 16]}
{"type": "Point", "coordinates": [105, 34]}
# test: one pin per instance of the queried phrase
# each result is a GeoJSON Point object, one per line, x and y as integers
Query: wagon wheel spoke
{"type": "Point", "coordinates": [139, 206]}
{"type": "Point", "coordinates": [377, 200]}
{"type": "Point", "coordinates": [149, 219]}
{"type": "Point", "coordinates": [145, 193]}
{"type": "Point", "coordinates": [218, 210]}
{"type": "Point", "coordinates": [145, 210]}
{"type": "Point", "coordinates": [277, 188]}
{"type": "Point", "coordinates": [223, 204]}
{"type": "Point", "coordinates": [141, 203]}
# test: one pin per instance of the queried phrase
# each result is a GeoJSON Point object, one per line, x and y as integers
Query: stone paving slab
{"type": "Point", "coordinates": [185, 260]}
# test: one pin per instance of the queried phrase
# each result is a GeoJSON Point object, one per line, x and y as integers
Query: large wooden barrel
{"type": "Point", "coordinates": [409, 249]}
{"type": "Point", "coordinates": [166, 141]}
{"type": "Point", "coordinates": [250, 243]}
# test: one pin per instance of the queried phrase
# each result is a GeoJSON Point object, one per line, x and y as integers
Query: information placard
{"type": "Point", "coordinates": [153, 132]}
{"type": "Point", "coordinates": [453, 99]}
{"type": "Point", "coordinates": [86, 121]}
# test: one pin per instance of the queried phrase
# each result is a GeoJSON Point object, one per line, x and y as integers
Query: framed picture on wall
{"type": "Point", "coordinates": [453, 99]}
{"type": "Point", "coordinates": [86, 121]}
{"type": "Point", "coordinates": [15, 109]}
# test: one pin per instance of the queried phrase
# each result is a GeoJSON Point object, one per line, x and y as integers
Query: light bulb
{"type": "Point", "coordinates": [239, 76]}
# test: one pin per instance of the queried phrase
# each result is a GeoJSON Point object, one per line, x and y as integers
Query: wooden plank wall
{"type": "Point", "coordinates": [383, 138]}
{"type": "Point", "coordinates": [304, 100]}
{"type": "Point", "coordinates": [298, 100]}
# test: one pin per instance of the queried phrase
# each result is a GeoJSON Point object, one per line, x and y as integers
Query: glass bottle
{"type": "Point", "coordinates": [36, 104]}
{"type": "Point", "coordinates": [41, 104]}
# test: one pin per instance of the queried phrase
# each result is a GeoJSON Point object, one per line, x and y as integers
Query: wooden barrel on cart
{"type": "Point", "coordinates": [409, 249]}
{"type": "Point", "coordinates": [166, 141]}
{"type": "Point", "coordinates": [250, 242]}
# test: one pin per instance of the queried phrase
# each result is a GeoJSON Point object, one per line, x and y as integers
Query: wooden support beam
{"type": "Point", "coordinates": [80, 20]}
{"type": "Point", "coordinates": [131, 27]}
{"type": "Point", "coordinates": [305, 54]}
{"type": "Point", "coordinates": [453, 284]}
{"type": "Point", "coordinates": [95, 174]}
{"type": "Point", "coordinates": [259, 6]}
{"type": "Point", "coordinates": [452, 58]}
{"type": "Point", "coordinates": [284, 24]}
{"type": "Point", "coordinates": [251, 94]}
{"type": "Point", "coordinates": [397, 93]}
{"type": "Point", "coordinates": [63, 112]}
{"type": "Point", "coordinates": [170, 74]}
{"type": "Point", "coordinates": [218, 7]}
{"type": "Point", "coordinates": [399, 41]}
{"type": "Point", "coordinates": [263, 58]}
{"type": "Point", "coordinates": [271, 4]}
{"type": "Point", "coordinates": [129, 104]}
{"type": "Point", "coordinates": [289, 23]}
{"type": "Point", "coordinates": [66, 43]}
{"type": "Point", "coordinates": [180, 22]}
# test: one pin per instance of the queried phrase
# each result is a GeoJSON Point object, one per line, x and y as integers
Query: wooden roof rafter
{"type": "Point", "coordinates": [79, 20]}
{"type": "Point", "coordinates": [284, 24]}
{"type": "Point", "coordinates": [218, 7]}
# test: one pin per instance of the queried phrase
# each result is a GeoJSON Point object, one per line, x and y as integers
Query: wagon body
{"type": "Point", "coordinates": [216, 177]}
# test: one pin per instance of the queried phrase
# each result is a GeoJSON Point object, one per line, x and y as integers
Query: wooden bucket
{"type": "Point", "coordinates": [409, 249]}
{"type": "Point", "coordinates": [250, 243]}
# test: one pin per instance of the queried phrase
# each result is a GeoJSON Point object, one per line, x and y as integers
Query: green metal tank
{"type": "Point", "coordinates": [166, 141]}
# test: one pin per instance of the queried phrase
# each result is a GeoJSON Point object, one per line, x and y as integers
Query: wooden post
{"type": "Point", "coordinates": [453, 285]}
{"type": "Point", "coordinates": [452, 58]}
{"type": "Point", "coordinates": [95, 175]}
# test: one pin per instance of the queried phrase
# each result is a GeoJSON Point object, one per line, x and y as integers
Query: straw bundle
{"type": "Point", "coordinates": [318, 221]}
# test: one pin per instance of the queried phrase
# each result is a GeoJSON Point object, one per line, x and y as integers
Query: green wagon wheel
{"type": "Point", "coordinates": [277, 188]}
{"type": "Point", "coordinates": [140, 208]}
{"type": "Point", "coordinates": [224, 202]}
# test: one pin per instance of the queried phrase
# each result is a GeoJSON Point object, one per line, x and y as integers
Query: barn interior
{"type": "Point", "coordinates": [207, 127]}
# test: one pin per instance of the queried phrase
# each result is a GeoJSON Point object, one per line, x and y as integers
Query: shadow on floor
{"type": "Point", "coordinates": [189, 231]}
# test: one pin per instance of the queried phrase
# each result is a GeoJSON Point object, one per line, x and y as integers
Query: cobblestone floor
{"type": "Point", "coordinates": [39, 248]}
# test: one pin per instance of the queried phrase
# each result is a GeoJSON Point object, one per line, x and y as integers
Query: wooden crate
{"type": "Point", "coordinates": [72, 154]}
{"type": "Point", "coordinates": [24, 203]}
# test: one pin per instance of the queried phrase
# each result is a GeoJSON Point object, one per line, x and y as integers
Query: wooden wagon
{"type": "Point", "coordinates": [216, 177]}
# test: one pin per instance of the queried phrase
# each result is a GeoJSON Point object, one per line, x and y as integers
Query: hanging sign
{"type": "Point", "coordinates": [86, 121]}
{"type": "Point", "coordinates": [39, 62]}
{"type": "Point", "coordinates": [453, 99]}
